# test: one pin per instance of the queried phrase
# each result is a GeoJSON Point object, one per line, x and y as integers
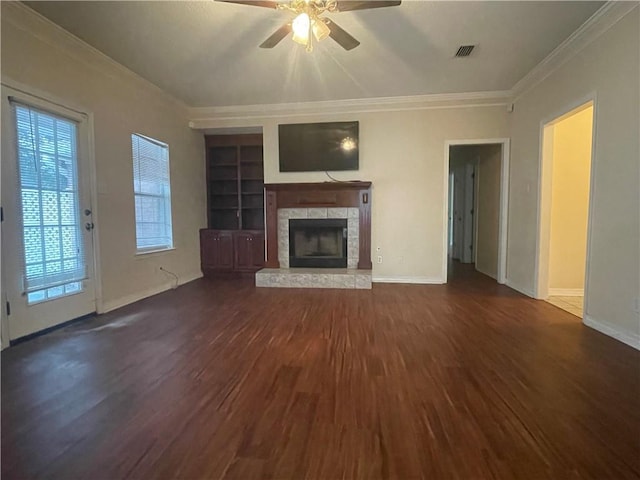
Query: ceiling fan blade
{"type": "Point", "coordinates": [277, 36]}
{"type": "Point", "coordinates": [345, 40]}
{"type": "Point", "coordinates": [254, 3]}
{"type": "Point", "coordinates": [350, 5]}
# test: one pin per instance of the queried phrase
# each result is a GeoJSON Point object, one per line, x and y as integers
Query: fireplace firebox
{"type": "Point", "coordinates": [318, 242]}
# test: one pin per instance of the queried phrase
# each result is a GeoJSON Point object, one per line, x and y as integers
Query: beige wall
{"type": "Point", "coordinates": [488, 206]}
{"type": "Point", "coordinates": [608, 68]}
{"type": "Point", "coordinates": [402, 153]}
{"type": "Point", "coordinates": [571, 166]}
{"type": "Point", "coordinates": [43, 57]}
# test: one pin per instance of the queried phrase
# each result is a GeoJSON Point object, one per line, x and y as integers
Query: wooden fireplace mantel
{"type": "Point", "coordinates": [313, 195]}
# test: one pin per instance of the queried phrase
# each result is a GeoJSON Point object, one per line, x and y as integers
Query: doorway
{"type": "Point", "coordinates": [476, 186]}
{"type": "Point", "coordinates": [565, 185]}
{"type": "Point", "coordinates": [48, 254]}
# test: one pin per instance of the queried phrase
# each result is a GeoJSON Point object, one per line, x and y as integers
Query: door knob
{"type": "Point", "coordinates": [87, 212]}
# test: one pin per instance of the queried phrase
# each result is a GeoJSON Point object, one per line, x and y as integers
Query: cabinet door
{"type": "Point", "coordinates": [208, 249]}
{"type": "Point", "coordinates": [257, 250]}
{"type": "Point", "coordinates": [225, 251]}
{"type": "Point", "coordinates": [216, 250]}
{"type": "Point", "coordinates": [249, 251]}
{"type": "Point", "coordinates": [244, 253]}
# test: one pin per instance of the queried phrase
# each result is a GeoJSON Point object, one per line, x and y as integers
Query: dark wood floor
{"type": "Point", "coordinates": [222, 380]}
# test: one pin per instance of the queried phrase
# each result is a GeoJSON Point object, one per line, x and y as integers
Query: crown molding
{"type": "Point", "coordinates": [601, 21]}
{"type": "Point", "coordinates": [23, 17]}
{"type": "Point", "coordinates": [202, 117]}
{"type": "Point", "coordinates": [40, 27]}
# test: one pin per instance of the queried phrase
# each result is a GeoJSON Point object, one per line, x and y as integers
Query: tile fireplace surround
{"type": "Point", "coordinates": [353, 237]}
{"type": "Point", "coordinates": [338, 200]}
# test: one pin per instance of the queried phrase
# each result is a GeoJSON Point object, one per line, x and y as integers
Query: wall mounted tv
{"type": "Point", "coordinates": [312, 147]}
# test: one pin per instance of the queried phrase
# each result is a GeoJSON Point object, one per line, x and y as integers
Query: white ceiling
{"type": "Point", "coordinates": [206, 53]}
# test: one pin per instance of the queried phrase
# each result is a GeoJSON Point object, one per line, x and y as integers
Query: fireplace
{"type": "Point", "coordinates": [318, 242]}
{"type": "Point", "coordinates": [327, 200]}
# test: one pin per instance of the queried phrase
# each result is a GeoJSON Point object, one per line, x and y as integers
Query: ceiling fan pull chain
{"type": "Point", "coordinates": [309, 47]}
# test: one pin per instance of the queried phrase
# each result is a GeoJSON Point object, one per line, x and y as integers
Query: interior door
{"type": "Point", "coordinates": [468, 214]}
{"type": "Point", "coordinates": [458, 213]}
{"type": "Point", "coordinates": [47, 260]}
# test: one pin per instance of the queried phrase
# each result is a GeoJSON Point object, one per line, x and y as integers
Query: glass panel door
{"type": "Point", "coordinates": [48, 223]}
{"type": "Point", "coordinates": [52, 239]}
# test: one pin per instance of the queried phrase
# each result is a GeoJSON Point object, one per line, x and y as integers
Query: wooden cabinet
{"type": "Point", "coordinates": [225, 251]}
{"type": "Point", "coordinates": [234, 241]}
{"type": "Point", "coordinates": [216, 251]}
{"type": "Point", "coordinates": [249, 250]}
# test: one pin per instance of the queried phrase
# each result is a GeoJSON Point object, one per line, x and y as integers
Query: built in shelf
{"type": "Point", "coordinates": [235, 164]}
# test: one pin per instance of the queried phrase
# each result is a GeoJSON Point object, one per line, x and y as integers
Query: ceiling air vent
{"type": "Point", "coordinates": [465, 50]}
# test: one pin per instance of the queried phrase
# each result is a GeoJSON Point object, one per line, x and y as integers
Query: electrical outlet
{"type": "Point", "coordinates": [636, 305]}
{"type": "Point", "coordinates": [400, 259]}
{"type": "Point", "coordinates": [379, 258]}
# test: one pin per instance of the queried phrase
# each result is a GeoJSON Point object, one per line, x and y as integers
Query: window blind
{"type": "Point", "coordinates": [49, 191]}
{"type": "Point", "coordinates": [151, 184]}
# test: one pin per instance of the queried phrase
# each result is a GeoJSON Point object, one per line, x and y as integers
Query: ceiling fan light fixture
{"type": "Point", "coordinates": [309, 23]}
{"type": "Point", "coordinates": [300, 27]}
{"type": "Point", "coordinates": [320, 30]}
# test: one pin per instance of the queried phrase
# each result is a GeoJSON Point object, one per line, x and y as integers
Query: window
{"type": "Point", "coordinates": [152, 190]}
{"type": "Point", "coordinates": [54, 263]}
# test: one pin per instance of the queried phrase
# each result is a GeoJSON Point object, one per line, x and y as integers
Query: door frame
{"type": "Point", "coordinates": [541, 273]}
{"type": "Point", "coordinates": [39, 98]}
{"type": "Point", "coordinates": [504, 202]}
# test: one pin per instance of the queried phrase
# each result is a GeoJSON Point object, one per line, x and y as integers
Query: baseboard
{"type": "Point", "coordinates": [629, 338]}
{"type": "Point", "coordinates": [518, 288]}
{"type": "Point", "coordinates": [44, 331]}
{"type": "Point", "coordinates": [566, 292]}
{"type": "Point", "coordinates": [149, 292]}
{"type": "Point", "coordinates": [402, 279]}
{"type": "Point", "coordinates": [492, 275]}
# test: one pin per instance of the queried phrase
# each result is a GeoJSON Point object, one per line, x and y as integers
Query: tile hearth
{"type": "Point", "coordinates": [314, 278]}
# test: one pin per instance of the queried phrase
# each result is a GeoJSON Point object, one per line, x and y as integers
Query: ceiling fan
{"type": "Point", "coordinates": [309, 22]}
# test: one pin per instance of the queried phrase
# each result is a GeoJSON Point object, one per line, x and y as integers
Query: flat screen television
{"type": "Point", "coordinates": [312, 147]}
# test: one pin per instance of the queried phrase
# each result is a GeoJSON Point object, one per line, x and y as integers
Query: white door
{"type": "Point", "coordinates": [458, 212]}
{"type": "Point", "coordinates": [47, 231]}
{"type": "Point", "coordinates": [468, 214]}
